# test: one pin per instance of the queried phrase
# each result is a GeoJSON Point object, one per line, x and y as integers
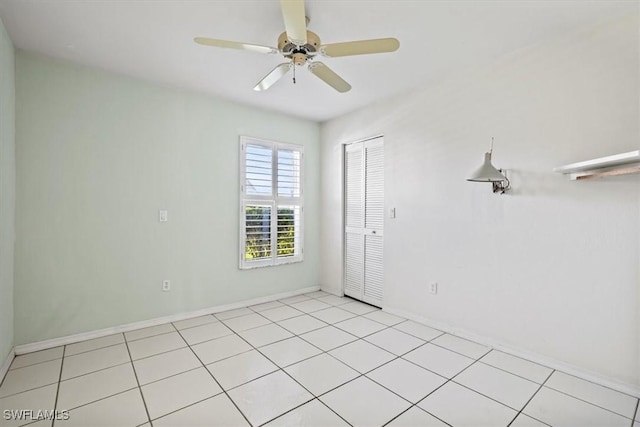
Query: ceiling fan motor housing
{"type": "Point", "coordinates": [299, 54]}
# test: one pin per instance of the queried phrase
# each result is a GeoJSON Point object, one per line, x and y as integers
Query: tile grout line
{"type": "Point", "coordinates": [187, 406]}
{"type": "Point", "coordinates": [170, 376]}
{"type": "Point", "coordinates": [92, 372]}
{"type": "Point", "coordinates": [103, 398]}
{"type": "Point", "coordinates": [233, 332]}
{"type": "Point", "coordinates": [94, 349]}
{"type": "Point", "coordinates": [322, 351]}
{"type": "Point", "coordinates": [476, 360]}
{"type": "Point", "coordinates": [310, 330]}
{"type": "Point", "coordinates": [293, 317]}
{"type": "Point", "coordinates": [215, 320]}
{"type": "Point", "coordinates": [28, 366]}
{"type": "Point", "coordinates": [591, 382]}
{"type": "Point", "coordinates": [523, 359]}
{"type": "Point", "coordinates": [214, 379]}
{"type": "Point", "coordinates": [301, 405]}
{"type": "Point", "coordinates": [144, 338]}
{"type": "Point", "coordinates": [327, 352]}
{"type": "Point", "coordinates": [360, 375]}
{"type": "Point", "coordinates": [302, 313]}
{"type": "Point", "coordinates": [530, 399]}
{"type": "Point", "coordinates": [219, 360]}
{"type": "Point", "coordinates": [170, 324]}
{"type": "Point", "coordinates": [166, 351]}
{"type": "Point", "coordinates": [285, 372]}
{"type": "Point", "coordinates": [585, 401]}
{"type": "Point", "coordinates": [479, 392]}
{"type": "Point", "coordinates": [135, 373]}
{"type": "Point", "coordinates": [28, 390]}
{"type": "Point", "coordinates": [457, 352]}
{"type": "Point", "coordinates": [7, 373]}
{"type": "Point", "coordinates": [414, 405]}
{"type": "Point", "coordinates": [55, 403]}
{"type": "Point", "coordinates": [358, 372]}
{"type": "Point", "coordinates": [508, 372]}
{"type": "Point", "coordinates": [272, 321]}
{"type": "Point", "coordinates": [297, 382]}
{"type": "Point", "coordinates": [448, 380]}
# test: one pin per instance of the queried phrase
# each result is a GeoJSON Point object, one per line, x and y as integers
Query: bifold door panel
{"type": "Point", "coordinates": [364, 220]}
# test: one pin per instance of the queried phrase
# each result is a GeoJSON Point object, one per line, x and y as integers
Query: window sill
{"type": "Point", "coordinates": [250, 266]}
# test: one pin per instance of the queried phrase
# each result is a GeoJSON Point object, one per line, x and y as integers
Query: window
{"type": "Point", "coordinates": [271, 203]}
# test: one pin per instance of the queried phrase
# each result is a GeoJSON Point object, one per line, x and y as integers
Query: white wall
{"type": "Point", "coordinates": [552, 267]}
{"type": "Point", "coordinates": [7, 191]}
{"type": "Point", "coordinates": [98, 155]}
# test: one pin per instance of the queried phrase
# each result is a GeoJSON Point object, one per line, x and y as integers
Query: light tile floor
{"type": "Point", "coordinates": [313, 360]}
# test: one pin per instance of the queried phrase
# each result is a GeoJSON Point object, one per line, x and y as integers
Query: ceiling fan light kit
{"type": "Point", "coordinates": [300, 46]}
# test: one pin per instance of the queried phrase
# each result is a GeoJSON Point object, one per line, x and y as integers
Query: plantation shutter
{"type": "Point", "coordinates": [271, 230]}
{"type": "Point", "coordinates": [289, 167]}
{"type": "Point", "coordinates": [258, 170]}
{"type": "Point", "coordinates": [289, 183]}
{"type": "Point", "coordinates": [258, 232]}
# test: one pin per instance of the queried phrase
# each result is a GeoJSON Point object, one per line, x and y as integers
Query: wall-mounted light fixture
{"type": "Point", "coordinates": [488, 173]}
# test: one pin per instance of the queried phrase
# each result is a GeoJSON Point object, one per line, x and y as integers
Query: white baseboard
{"type": "Point", "coordinates": [333, 292]}
{"type": "Point", "coordinates": [70, 339]}
{"type": "Point", "coordinates": [631, 389]}
{"type": "Point", "coordinates": [7, 362]}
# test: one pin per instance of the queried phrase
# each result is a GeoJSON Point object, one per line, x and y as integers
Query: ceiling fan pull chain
{"type": "Point", "coordinates": [294, 73]}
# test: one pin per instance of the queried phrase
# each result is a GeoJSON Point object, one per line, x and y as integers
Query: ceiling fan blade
{"type": "Point", "coordinates": [329, 77]}
{"type": "Point", "coordinates": [295, 21]}
{"type": "Point", "coordinates": [361, 47]}
{"type": "Point", "coordinates": [235, 45]}
{"type": "Point", "coordinates": [275, 75]}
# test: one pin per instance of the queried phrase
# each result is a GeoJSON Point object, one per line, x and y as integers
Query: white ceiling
{"type": "Point", "coordinates": [153, 40]}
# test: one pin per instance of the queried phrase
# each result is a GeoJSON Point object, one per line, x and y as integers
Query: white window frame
{"type": "Point", "coordinates": [273, 201]}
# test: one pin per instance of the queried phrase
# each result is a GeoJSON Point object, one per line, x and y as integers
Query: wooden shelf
{"type": "Point", "coordinates": [618, 164]}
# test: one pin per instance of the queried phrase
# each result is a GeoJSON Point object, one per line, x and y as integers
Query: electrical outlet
{"type": "Point", "coordinates": [163, 216]}
{"type": "Point", "coordinates": [433, 288]}
{"type": "Point", "coordinates": [166, 285]}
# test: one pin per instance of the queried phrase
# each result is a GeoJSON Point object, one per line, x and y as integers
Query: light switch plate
{"type": "Point", "coordinates": [163, 215]}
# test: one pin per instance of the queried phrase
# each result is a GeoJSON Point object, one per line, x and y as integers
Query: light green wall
{"type": "Point", "coordinates": [98, 155]}
{"type": "Point", "coordinates": [7, 191]}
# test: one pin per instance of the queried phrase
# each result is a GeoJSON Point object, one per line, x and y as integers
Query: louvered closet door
{"type": "Point", "coordinates": [373, 221]}
{"type": "Point", "coordinates": [354, 221]}
{"type": "Point", "coordinates": [364, 220]}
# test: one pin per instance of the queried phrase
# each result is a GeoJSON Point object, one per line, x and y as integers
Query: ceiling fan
{"type": "Point", "coordinates": [300, 46]}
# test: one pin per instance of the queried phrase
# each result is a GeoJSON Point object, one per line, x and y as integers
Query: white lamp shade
{"type": "Point", "coordinates": [486, 172]}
